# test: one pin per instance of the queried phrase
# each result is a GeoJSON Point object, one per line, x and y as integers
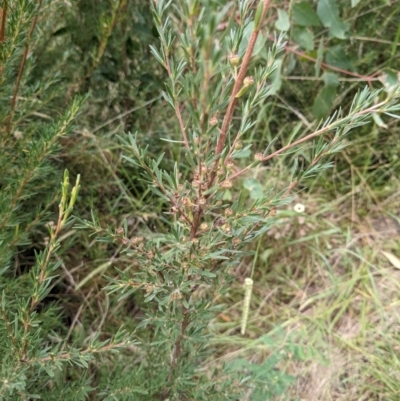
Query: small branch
{"type": "Point", "coordinates": [103, 43]}
{"type": "Point", "coordinates": [177, 348]}
{"type": "Point", "coordinates": [176, 104]}
{"type": "Point", "coordinates": [238, 85]}
{"type": "Point", "coordinates": [229, 112]}
{"type": "Point", "coordinates": [308, 137]}
{"type": "Point", "coordinates": [178, 344]}
{"type": "Point", "coordinates": [22, 65]}
{"type": "Point", "coordinates": [68, 355]}
{"type": "Point", "coordinates": [239, 82]}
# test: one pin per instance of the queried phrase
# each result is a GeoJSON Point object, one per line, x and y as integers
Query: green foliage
{"type": "Point", "coordinates": [172, 218]}
{"type": "Point", "coordinates": [182, 269]}
{"type": "Point", "coordinates": [40, 106]}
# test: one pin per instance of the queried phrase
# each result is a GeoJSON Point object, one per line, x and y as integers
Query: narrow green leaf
{"type": "Point", "coordinates": [378, 121]}
{"type": "Point", "coordinates": [337, 57]}
{"type": "Point", "coordinates": [276, 80]}
{"type": "Point", "coordinates": [320, 56]}
{"type": "Point", "coordinates": [204, 273]}
{"type": "Point", "coordinates": [323, 102]}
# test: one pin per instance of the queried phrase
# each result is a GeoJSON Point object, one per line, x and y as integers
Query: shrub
{"type": "Point", "coordinates": [217, 78]}
{"type": "Point", "coordinates": [218, 71]}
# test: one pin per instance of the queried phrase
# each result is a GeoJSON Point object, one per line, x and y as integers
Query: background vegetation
{"type": "Point", "coordinates": [74, 75]}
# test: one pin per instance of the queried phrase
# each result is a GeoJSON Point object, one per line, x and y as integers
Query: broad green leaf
{"type": "Point", "coordinates": [323, 102]}
{"type": "Point", "coordinates": [291, 63]}
{"type": "Point", "coordinates": [330, 79]}
{"type": "Point", "coordinates": [390, 79]}
{"type": "Point", "coordinates": [282, 23]}
{"type": "Point", "coordinates": [304, 15]}
{"type": "Point", "coordinates": [337, 57]}
{"type": "Point", "coordinates": [329, 16]}
{"type": "Point", "coordinates": [354, 2]}
{"type": "Point", "coordinates": [304, 38]}
{"type": "Point", "coordinates": [254, 187]}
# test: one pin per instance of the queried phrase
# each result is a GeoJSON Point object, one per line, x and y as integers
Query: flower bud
{"type": "Point", "coordinates": [234, 60]}
{"type": "Point", "coordinates": [227, 184]}
{"type": "Point", "coordinates": [202, 201]}
{"type": "Point", "coordinates": [230, 164]}
{"type": "Point", "coordinates": [228, 212]}
{"type": "Point", "coordinates": [248, 81]}
{"type": "Point", "coordinates": [236, 241]}
{"type": "Point", "coordinates": [213, 121]}
{"type": "Point", "coordinates": [148, 287]}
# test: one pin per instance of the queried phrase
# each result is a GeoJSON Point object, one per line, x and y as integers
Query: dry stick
{"type": "Point", "coordinates": [3, 21]}
{"type": "Point", "coordinates": [306, 138]}
{"type": "Point", "coordinates": [22, 66]}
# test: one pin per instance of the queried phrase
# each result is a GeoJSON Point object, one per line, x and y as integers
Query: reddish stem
{"type": "Point", "coordinates": [22, 66]}
{"type": "Point", "coordinates": [3, 21]}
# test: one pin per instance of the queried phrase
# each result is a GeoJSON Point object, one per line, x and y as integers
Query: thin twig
{"type": "Point", "coordinates": [229, 112]}
{"type": "Point", "coordinates": [239, 82]}
{"type": "Point", "coordinates": [308, 137]}
{"type": "Point", "coordinates": [368, 78]}
{"type": "Point", "coordinates": [22, 66]}
{"type": "Point", "coordinates": [176, 104]}
{"type": "Point", "coordinates": [236, 88]}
